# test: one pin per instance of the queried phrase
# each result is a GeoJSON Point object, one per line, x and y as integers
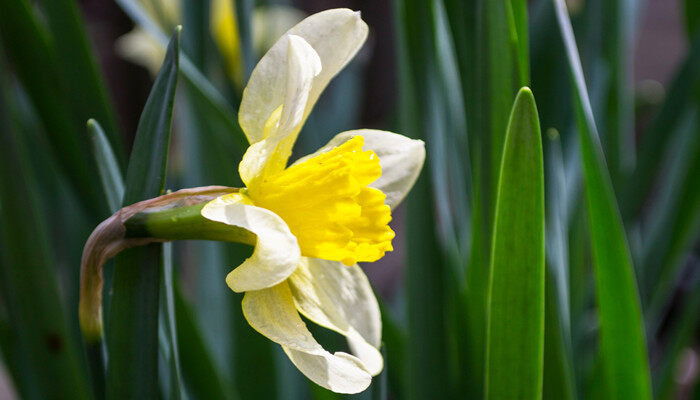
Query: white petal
{"type": "Point", "coordinates": [340, 298]}
{"type": "Point", "coordinates": [303, 64]}
{"type": "Point", "coordinates": [271, 312]}
{"type": "Point", "coordinates": [336, 35]}
{"type": "Point", "coordinates": [271, 153]}
{"type": "Point", "coordinates": [276, 253]}
{"type": "Point", "coordinates": [336, 372]}
{"type": "Point", "coordinates": [401, 159]}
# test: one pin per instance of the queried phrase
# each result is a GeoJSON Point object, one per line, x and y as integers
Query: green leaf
{"type": "Point", "coordinates": [83, 86]}
{"type": "Point", "coordinates": [515, 333]}
{"type": "Point", "coordinates": [622, 342]}
{"type": "Point", "coordinates": [133, 327]}
{"type": "Point", "coordinates": [427, 270]}
{"type": "Point", "coordinates": [618, 139]}
{"type": "Point", "coordinates": [198, 368]}
{"type": "Point", "coordinates": [558, 380]}
{"type": "Point", "coordinates": [112, 181]}
{"type": "Point", "coordinates": [39, 335]}
{"type": "Point", "coordinates": [168, 326]}
{"type": "Point", "coordinates": [379, 382]}
{"type": "Point", "coordinates": [490, 41]}
{"type": "Point", "coordinates": [522, 52]}
{"type": "Point", "coordinates": [395, 359]}
{"type": "Point", "coordinates": [35, 61]}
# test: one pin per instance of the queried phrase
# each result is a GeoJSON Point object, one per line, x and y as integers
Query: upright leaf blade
{"type": "Point", "coordinates": [203, 380]}
{"type": "Point", "coordinates": [29, 49]}
{"type": "Point", "coordinates": [29, 290]}
{"type": "Point", "coordinates": [623, 347]}
{"type": "Point", "coordinates": [84, 89]}
{"type": "Point", "coordinates": [426, 267]}
{"type": "Point", "coordinates": [133, 326]}
{"type": "Point", "coordinates": [107, 165]}
{"type": "Point", "coordinates": [515, 333]}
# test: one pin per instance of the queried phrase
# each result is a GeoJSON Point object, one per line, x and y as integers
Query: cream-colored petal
{"type": "Point", "coordinates": [276, 253]}
{"type": "Point", "coordinates": [271, 312]}
{"type": "Point", "coordinates": [336, 35]}
{"type": "Point", "coordinates": [303, 65]}
{"type": "Point", "coordinates": [337, 372]}
{"type": "Point", "coordinates": [340, 298]}
{"type": "Point", "coordinates": [401, 159]}
{"type": "Point", "coordinates": [270, 154]}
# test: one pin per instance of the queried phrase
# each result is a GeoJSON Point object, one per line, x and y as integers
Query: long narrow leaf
{"type": "Point", "coordinates": [515, 333]}
{"type": "Point", "coordinates": [557, 381]}
{"type": "Point", "coordinates": [112, 181]}
{"type": "Point", "coordinates": [426, 272]}
{"type": "Point", "coordinates": [27, 278]}
{"type": "Point", "coordinates": [133, 325]}
{"type": "Point", "coordinates": [35, 63]}
{"type": "Point", "coordinates": [201, 377]}
{"type": "Point", "coordinates": [623, 345]}
{"type": "Point", "coordinates": [168, 322]}
{"type": "Point", "coordinates": [84, 88]}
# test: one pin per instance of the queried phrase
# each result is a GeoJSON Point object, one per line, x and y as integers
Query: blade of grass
{"type": "Point", "coordinates": [515, 333]}
{"type": "Point", "coordinates": [84, 87]}
{"type": "Point", "coordinates": [29, 50]}
{"type": "Point", "coordinates": [27, 276]}
{"type": "Point", "coordinates": [622, 341]}
{"type": "Point", "coordinates": [133, 327]}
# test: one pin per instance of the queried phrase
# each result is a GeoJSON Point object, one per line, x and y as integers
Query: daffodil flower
{"type": "Point", "coordinates": [309, 222]}
{"type": "Point", "coordinates": [317, 218]}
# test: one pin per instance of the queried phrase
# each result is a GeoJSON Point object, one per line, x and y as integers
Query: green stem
{"type": "Point", "coordinates": [184, 223]}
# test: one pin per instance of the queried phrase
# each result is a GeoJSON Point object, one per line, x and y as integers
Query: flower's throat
{"type": "Point", "coordinates": [327, 204]}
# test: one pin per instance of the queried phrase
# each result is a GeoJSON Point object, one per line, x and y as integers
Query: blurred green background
{"type": "Point", "coordinates": [617, 87]}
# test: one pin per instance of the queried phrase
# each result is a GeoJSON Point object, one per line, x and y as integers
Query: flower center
{"type": "Point", "coordinates": [327, 204]}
